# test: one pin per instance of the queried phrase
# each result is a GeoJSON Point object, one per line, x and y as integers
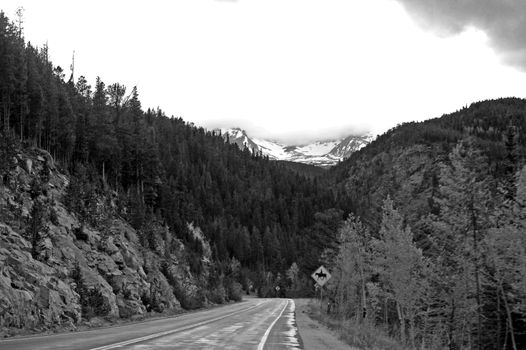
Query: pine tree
{"type": "Point", "coordinates": [352, 269]}
{"type": "Point", "coordinates": [511, 161]}
{"type": "Point", "coordinates": [8, 146]}
{"type": "Point", "coordinates": [402, 263]}
{"type": "Point", "coordinates": [37, 228]}
{"type": "Point", "coordinates": [464, 208]}
{"type": "Point", "coordinates": [505, 263]}
{"type": "Point", "coordinates": [104, 142]}
{"type": "Point", "coordinates": [7, 70]}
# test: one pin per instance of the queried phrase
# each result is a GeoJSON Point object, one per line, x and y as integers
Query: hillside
{"type": "Point", "coordinates": [437, 231]}
{"type": "Point", "coordinates": [404, 161]}
{"type": "Point", "coordinates": [56, 269]}
{"type": "Point", "coordinates": [136, 191]}
{"type": "Point", "coordinates": [307, 170]}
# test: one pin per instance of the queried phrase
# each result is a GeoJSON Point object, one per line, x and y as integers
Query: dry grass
{"type": "Point", "coordinates": [364, 335]}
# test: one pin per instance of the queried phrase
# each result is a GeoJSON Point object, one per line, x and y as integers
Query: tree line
{"type": "Point", "coordinates": [160, 171]}
{"type": "Point", "coordinates": [435, 254]}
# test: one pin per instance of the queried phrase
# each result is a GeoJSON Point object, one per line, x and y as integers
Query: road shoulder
{"type": "Point", "coordinates": [313, 334]}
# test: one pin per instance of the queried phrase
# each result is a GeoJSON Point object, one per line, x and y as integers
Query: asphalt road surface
{"type": "Point", "coordinates": [252, 324]}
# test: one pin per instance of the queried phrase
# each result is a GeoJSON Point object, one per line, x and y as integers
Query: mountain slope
{"type": "Point", "coordinates": [64, 270]}
{"type": "Point", "coordinates": [349, 145]}
{"type": "Point", "coordinates": [440, 216]}
{"type": "Point", "coordinates": [412, 151]}
{"type": "Point", "coordinates": [214, 219]}
{"type": "Point", "coordinates": [320, 153]}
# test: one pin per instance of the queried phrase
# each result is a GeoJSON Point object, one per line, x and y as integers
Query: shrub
{"type": "Point", "coordinates": [91, 299]}
{"type": "Point", "coordinates": [217, 294]}
{"type": "Point", "coordinates": [152, 302]}
{"type": "Point", "coordinates": [188, 301]}
{"type": "Point", "coordinates": [53, 216]}
{"type": "Point", "coordinates": [235, 291]}
{"type": "Point", "coordinates": [93, 303]}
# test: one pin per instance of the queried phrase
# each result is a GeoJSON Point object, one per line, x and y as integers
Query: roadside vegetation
{"type": "Point", "coordinates": [360, 335]}
{"type": "Point", "coordinates": [461, 286]}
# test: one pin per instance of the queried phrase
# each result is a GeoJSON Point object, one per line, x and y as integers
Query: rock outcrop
{"type": "Point", "coordinates": [74, 271]}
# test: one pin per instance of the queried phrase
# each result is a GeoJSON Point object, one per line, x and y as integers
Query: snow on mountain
{"type": "Point", "coordinates": [349, 145]}
{"type": "Point", "coordinates": [272, 149]}
{"type": "Point", "coordinates": [239, 137]}
{"type": "Point", "coordinates": [320, 153]}
{"type": "Point", "coordinates": [318, 148]}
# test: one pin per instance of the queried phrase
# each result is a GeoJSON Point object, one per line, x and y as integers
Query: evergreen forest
{"type": "Point", "coordinates": [434, 252]}
{"type": "Point", "coordinates": [163, 170]}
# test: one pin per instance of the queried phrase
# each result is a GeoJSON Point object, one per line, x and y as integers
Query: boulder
{"type": "Point", "coordinates": [129, 298]}
{"type": "Point", "coordinates": [108, 246]}
{"type": "Point", "coordinates": [95, 281]}
{"type": "Point", "coordinates": [28, 166]}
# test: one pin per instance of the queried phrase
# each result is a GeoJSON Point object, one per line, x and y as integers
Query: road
{"type": "Point", "coordinates": [252, 324]}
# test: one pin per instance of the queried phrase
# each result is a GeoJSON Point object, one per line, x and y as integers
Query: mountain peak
{"type": "Point", "coordinates": [239, 137]}
{"type": "Point", "coordinates": [324, 153]}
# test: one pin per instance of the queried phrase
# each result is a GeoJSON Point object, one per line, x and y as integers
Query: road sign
{"type": "Point", "coordinates": [277, 288]}
{"type": "Point", "coordinates": [321, 275]}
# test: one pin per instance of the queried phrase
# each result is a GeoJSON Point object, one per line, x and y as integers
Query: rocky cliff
{"type": "Point", "coordinates": [57, 271]}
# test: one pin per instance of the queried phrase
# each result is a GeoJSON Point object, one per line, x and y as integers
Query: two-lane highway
{"type": "Point", "coordinates": [253, 324]}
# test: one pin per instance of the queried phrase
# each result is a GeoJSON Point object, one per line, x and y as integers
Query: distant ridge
{"type": "Point", "coordinates": [319, 153]}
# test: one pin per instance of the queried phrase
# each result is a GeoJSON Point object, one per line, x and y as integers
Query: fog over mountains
{"type": "Point", "coordinates": [320, 153]}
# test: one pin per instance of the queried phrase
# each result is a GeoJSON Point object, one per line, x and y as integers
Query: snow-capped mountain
{"type": "Point", "coordinates": [320, 153]}
{"type": "Point", "coordinates": [349, 145]}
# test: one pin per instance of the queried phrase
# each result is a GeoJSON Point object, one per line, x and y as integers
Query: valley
{"type": "Point", "coordinates": [113, 212]}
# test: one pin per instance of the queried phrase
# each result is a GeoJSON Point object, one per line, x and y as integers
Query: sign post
{"type": "Point", "coordinates": [321, 276]}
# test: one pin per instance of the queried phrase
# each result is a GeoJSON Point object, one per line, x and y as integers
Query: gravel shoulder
{"type": "Point", "coordinates": [313, 334]}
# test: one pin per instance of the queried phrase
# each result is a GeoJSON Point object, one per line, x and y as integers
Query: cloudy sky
{"type": "Point", "coordinates": [292, 70]}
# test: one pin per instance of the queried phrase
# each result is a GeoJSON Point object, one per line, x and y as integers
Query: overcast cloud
{"type": "Point", "coordinates": [504, 21]}
{"type": "Point", "coordinates": [296, 70]}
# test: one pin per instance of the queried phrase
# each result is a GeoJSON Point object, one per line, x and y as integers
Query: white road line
{"type": "Point", "coordinates": [161, 334]}
{"type": "Point", "coordinates": [265, 336]}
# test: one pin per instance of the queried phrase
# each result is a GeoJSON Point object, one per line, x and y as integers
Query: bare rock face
{"type": "Point", "coordinates": [31, 294]}
{"type": "Point", "coordinates": [186, 287]}
{"type": "Point", "coordinates": [77, 271]}
{"type": "Point", "coordinates": [28, 166]}
{"type": "Point", "coordinates": [160, 296]}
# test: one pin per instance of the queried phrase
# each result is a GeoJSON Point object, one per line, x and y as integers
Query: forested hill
{"type": "Point", "coordinates": [162, 170]}
{"type": "Point", "coordinates": [438, 232]}
{"type": "Point", "coordinates": [404, 161]}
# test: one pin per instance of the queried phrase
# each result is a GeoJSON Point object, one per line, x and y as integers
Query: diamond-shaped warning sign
{"type": "Point", "coordinates": [321, 275]}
